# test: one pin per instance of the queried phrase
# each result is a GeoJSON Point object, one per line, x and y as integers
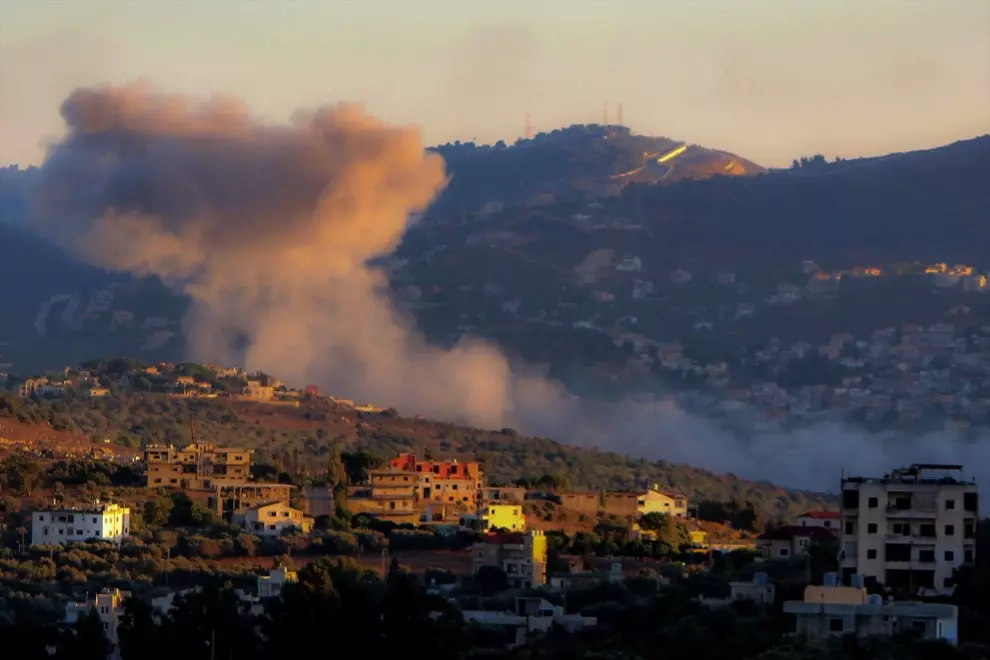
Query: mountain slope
{"type": "Point", "coordinates": [580, 158]}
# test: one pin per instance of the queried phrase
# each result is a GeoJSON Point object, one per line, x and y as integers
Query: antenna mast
{"type": "Point", "coordinates": [605, 114]}
{"type": "Point", "coordinates": [529, 128]}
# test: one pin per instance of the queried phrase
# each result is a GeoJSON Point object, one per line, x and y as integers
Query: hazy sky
{"type": "Point", "coordinates": [769, 80]}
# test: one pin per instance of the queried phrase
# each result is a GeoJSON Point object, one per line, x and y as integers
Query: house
{"type": "Point", "coordinates": [522, 556]}
{"type": "Point", "coordinates": [631, 504]}
{"type": "Point", "coordinates": [97, 392]}
{"type": "Point", "coordinates": [791, 541]}
{"type": "Point", "coordinates": [911, 529]}
{"type": "Point", "coordinates": [503, 516]}
{"type": "Point", "coordinates": [270, 586]}
{"type": "Point", "coordinates": [273, 520]}
{"type": "Point", "coordinates": [532, 616]}
{"type": "Point", "coordinates": [103, 521]}
{"type": "Point", "coordinates": [108, 605]}
{"type": "Point", "coordinates": [834, 610]}
{"type": "Point", "coordinates": [758, 591]}
{"type": "Point", "coordinates": [827, 519]}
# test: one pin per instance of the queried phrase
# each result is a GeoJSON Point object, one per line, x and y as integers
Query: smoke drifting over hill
{"type": "Point", "coordinates": [268, 229]}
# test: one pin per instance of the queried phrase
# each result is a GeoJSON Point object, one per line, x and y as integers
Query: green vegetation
{"type": "Point", "coordinates": [300, 442]}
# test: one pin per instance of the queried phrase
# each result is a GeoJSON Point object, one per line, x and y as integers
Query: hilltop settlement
{"type": "Point", "coordinates": [122, 538]}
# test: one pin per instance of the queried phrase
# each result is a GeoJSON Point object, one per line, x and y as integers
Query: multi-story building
{"type": "Point", "coordinates": [523, 557]}
{"type": "Point", "coordinates": [103, 521]}
{"type": "Point", "coordinates": [910, 529]}
{"type": "Point", "coordinates": [834, 610]}
{"type": "Point", "coordinates": [503, 516]}
{"type": "Point", "coordinates": [195, 466]}
{"type": "Point", "coordinates": [390, 495]}
{"type": "Point", "coordinates": [228, 498]}
{"type": "Point", "coordinates": [108, 605]}
{"type": "Point", "coordinates": [447, 482]}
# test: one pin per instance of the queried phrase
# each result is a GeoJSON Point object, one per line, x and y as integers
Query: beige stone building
{"type": "Point", "coordinates": [195, 466]}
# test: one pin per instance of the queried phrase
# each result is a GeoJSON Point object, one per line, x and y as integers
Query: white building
{"type": "Point", "coordinates": [103, 521]}
{"type": "Point", "coordinates": [273, 520]}
{"type": "Point", "coordinates": [270, 586]}
{"type": "Point", "coordinates": [834, 610]}
{"type": "Point", "coordinates": [909, 530]}
{"type": "Point", "coordinates": [108, 605]}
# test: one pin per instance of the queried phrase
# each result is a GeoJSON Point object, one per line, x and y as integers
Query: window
{"type": "Point", "coordinates": [835, 625]}
{"type": "Point", "coordinates": [970, 501]}
{"type": "Point", "coordinates": [926, 556]}
{"type": "Point", "coordinates": [947, 582]}
{"type": "Point", "coordinates": [950, 530]}
{"type": "Point", "coordinates": [926, 529]}
{"type": "Point", "coordinates": [950, 505]}
{"type": "Point", "coordinates": [784, 552]}
{"type": "Point", "coordinates": [949, 555]}
{"type": "Point", "coordinates": [871, 554]}
{"type": "Point", "coordinates": [871, 503]}
{"type": "Point", "coordinates": [871, 528]}
{"type": "Point", "coordinates": [828, 523]}
{"type": "Point", "coordinates": [901, 529]}
{"type": "Point", "coordinates": [850, 527]}
{"type": "Point", "coordinates": [968, 555]}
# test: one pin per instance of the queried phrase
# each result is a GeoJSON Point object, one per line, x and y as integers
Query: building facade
{"type": "Point", "coordinates": [523, 557]}
{"type": "Point", "coordinates": [629, 504]}
{"type": "Point", "coordinates": [108, 605]}
{"type": "Point", "coordinates": [828, 519]}
{"type": "Point", "coordinates": [273, 520]}
{"type": "Point", "coordinates": [503, 516]}
{"type": "Point", "coordinates": [833, 610]}
{"type": "Point", "coordinates": [103, 521]}
{"type": "Point", "coordinates": [194, 466]}
{"type": "Point", "coordinates": [911, 529]}
{"type": "Point", "coordinates": [448, 482]}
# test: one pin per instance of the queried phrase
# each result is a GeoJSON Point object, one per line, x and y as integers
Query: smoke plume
{"type": "Point", "coordinates": [269, 230]}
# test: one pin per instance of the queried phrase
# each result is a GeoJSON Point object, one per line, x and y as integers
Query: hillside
{"type": "Point", "coordinates": [586, 159]}
{"type": "Point", "coordinates": [301, 440]}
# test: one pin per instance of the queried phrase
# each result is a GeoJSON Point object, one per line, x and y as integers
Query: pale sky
{"type": "Point", "coordinates": [766, 79]}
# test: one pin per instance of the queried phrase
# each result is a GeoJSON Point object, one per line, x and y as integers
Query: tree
{"type": "Point", "coordinates": [490, 580]}
{"type": "Point", "coordinates": [86, 640]}
{"type": "Point", "coordinates": [159, 510]}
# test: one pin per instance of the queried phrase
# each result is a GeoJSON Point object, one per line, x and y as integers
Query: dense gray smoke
{"type": "Point", "coordinates": [269, 228]}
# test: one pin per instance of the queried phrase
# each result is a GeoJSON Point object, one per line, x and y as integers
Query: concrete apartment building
{"type": "Point", "coordinates": [910, 529]}
{"type": "Point", "coordinates": [446, 482]}
{"type": "Point", "coordinates": [195, 466]}
{"type": "Point", "coordinates": [103, 521]}
{"type": "Point", "coordinates": [215, 477]}
{"type": "Point", "coordinates": [835, 610]}
{"type": "Point", "coordinates": [523, 557]}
